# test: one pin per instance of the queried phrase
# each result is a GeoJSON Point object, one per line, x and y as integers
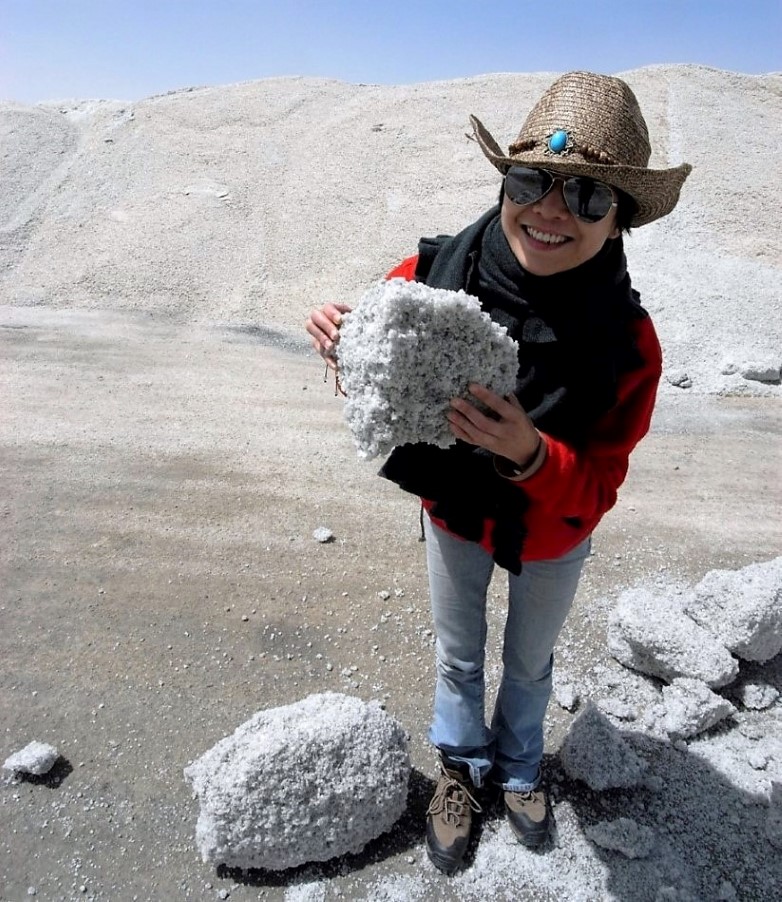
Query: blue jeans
{"type": "Point", "coordinates": [538, 603]}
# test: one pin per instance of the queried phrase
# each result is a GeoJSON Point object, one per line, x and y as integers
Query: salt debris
{"type": "Point", "coordinates": [36, 758]}
{"type": "Point", "coordinates": [774, 817]}
{"type": "Point", "coordinates": [595, 752]}
{"type": "Point", "coordinates": [405, 352]}
{"type": "Point", "coordinates": [690, 708]}
{"type": "Point", "coordinates": [743, 608]}
{"type": "Point", "coordinates": [624, 835]}
{"type": "Point", "coordinates": [301, 783]}
{"type": "Point", "coordinates": [615, 707]}
{"type": "Point", "coordinates": [650, 632]}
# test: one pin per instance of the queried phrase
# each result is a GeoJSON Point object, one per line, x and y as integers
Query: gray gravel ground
{"type": "Point", "coordinates": [161, 483]}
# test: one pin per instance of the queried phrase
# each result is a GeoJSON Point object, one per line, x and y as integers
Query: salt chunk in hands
{"type": "Point", "coordinates": [405, 351]}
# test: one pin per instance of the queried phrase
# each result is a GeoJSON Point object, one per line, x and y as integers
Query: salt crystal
{"type": "Point", "coordinates": [35, 758]}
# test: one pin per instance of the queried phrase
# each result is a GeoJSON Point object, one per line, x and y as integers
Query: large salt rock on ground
{"type": "Point", "coordinates": [743, 608]}
{"type": "Point", "coordinates": [405, 351]}
{"type": "Point", "coordinates": [650, 632]}
{"type": "Point", "coordinates": [301, 783]}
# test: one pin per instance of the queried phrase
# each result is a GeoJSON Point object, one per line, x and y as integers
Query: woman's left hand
{"type": "Point", "coordinates": [512, 434]}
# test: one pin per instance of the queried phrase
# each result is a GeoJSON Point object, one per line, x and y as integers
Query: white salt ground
{"type": "Point", "coordinates": [109, 207]}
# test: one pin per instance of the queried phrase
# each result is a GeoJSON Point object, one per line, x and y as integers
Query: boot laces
{"type": "Point", "coordinates": [452, 799]}
{"type": "Point", "coordinates": [527, 796]}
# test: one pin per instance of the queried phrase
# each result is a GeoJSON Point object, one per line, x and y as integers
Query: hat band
{"type": "Point", "coordinates": [590, 154]}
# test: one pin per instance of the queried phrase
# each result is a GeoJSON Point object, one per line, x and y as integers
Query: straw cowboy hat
{"type": "Point", "coordinates": [587, 124]}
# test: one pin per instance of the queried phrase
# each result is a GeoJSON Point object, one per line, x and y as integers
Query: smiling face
{"type": "Point", "coordinates": [547, 239]}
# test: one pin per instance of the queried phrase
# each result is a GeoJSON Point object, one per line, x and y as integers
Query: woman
{"type": "Point", "coordinates": [525, 485]}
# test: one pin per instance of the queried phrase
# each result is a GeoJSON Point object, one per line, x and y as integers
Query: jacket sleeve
{"type": "Point", "coordinates": [582, 484]}
{"type": "Point", "coordinates": [405, 270]}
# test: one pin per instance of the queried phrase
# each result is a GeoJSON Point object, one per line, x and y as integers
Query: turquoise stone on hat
{"type": "Point", "coordinates": [558, 141]}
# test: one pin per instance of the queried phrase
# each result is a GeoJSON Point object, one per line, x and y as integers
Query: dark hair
{"type": "Point", "coordinates": [625, 210]}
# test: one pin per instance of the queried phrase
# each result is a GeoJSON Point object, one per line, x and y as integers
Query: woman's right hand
{"type": "Point", "coordinates": [323, 326]}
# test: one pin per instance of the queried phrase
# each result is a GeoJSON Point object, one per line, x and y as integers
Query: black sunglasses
{"type": "Point", "coordinates": [587, 200]}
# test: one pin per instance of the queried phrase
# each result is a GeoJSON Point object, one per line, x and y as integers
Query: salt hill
{"type": "Point", "coordinates": [249, 203]}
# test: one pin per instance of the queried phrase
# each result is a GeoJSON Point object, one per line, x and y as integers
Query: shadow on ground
{"type": "Point", "coordinates": [711, 837]}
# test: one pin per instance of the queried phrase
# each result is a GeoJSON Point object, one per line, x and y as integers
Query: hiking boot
{"type": "Point", "coordinates": [529, 817]}
{"type": "Point", "coordinates": [449, 819]}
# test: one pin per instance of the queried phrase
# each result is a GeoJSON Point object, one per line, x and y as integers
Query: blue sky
{"type": "Point", "coordinates": [129, 49]}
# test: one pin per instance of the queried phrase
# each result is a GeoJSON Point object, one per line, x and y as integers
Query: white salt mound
{"type": "Point", "coordinates": [405, 351]}
{"type": "Point", "coordinates": [595, 752]}
{"type": "Point", "coordinates": [624, 835]}
{"type": "Point", "coordinates": [650, 632]}
{"type": "Point", "coordinates": [743, 608]}
{"type": "Point", "coordinates": [301, 783]}
{"type": "Point", "coordinates": [35, 758]}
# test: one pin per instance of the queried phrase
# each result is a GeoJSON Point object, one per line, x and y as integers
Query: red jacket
{"type": "Point", "coordinates": [578, 487]}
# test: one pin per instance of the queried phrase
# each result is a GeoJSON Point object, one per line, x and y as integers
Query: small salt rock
{"type": "Point", "coordinates": [616, 708]}
{"type": "Point", "coordinates": [750, 729]}
{"type": "Point", "coordinates": [761, 371]}
{"type": "Point", "coordinates": [690, 708]}
{"type": "Point", "coordinates": [384, 594]}
{"type": "Point", "coordinates": [729, 368]}
{"type": "Point", "coordinates": [36, 758]}
{"type": "Point", "coordinates": [679, 378]}
{"type": "Point", "coordinates": [758, 696]}
{"type": "Point", "coordinates": [566, 696]}
{"type": "Point", "coordinates": [757, 760]}
{"type": "Point", "coordinates": [727, 892]}
{"type": "Point", "coordinates": [323, 534]}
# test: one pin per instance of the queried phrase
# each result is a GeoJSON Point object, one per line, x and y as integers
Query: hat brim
{"type": "Point", "coordinates": [655, 191]}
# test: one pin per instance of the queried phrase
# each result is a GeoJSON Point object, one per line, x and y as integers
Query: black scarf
{"type": "Point", "coordinates": [574, 343]}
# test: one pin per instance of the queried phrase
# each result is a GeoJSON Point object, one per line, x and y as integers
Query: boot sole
{"type": "Point", "coordinates": [532, 839]}
{"type": "Point", "coordinates": [442, 861]}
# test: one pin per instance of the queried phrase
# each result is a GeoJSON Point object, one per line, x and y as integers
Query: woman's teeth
{"type": "Point", "coordinates": [545, 237]}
